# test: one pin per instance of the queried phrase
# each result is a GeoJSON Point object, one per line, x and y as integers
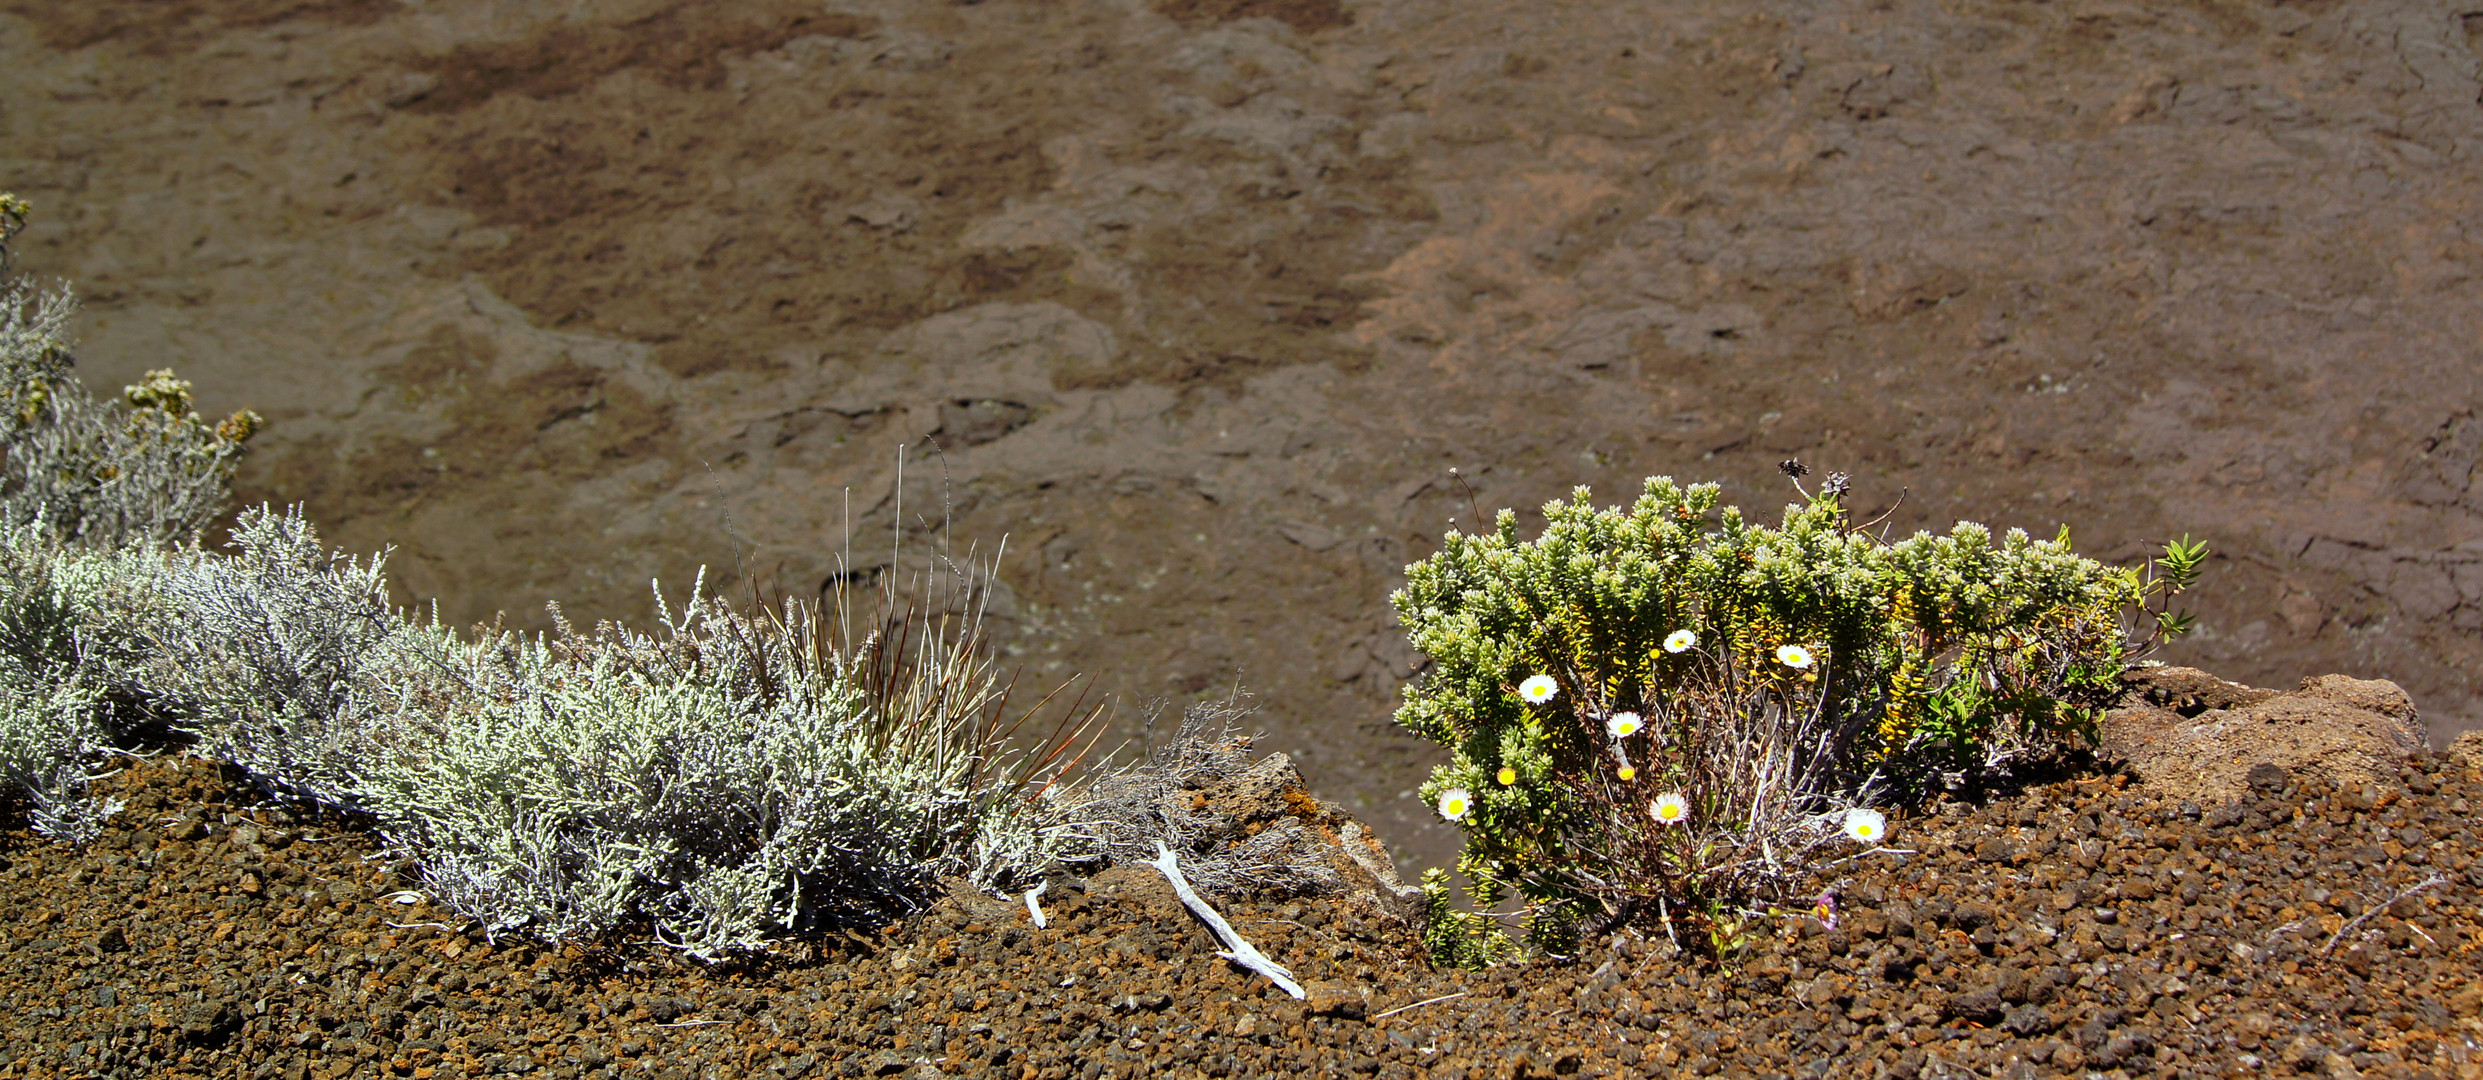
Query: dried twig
{"type": "Point", "coordinates": [2433, 881]}
{"type": "Point", "coordinates": [1236, 950]}
{"type": "Point", "coordinates": [1866, 853]}
{"type": "Point", "coordinates": [1035, 910]}
{"type": "Point", "coordinates": [1420, 1004]}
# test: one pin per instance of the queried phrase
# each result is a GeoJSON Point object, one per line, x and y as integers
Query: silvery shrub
{"type": "Point", "coordinates": [724, 780]}
{"type": "Point", "coordinates": [737, 775]}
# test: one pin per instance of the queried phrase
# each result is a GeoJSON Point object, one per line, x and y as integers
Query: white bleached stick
{"type": "Point", "coordinates": [1035, 910]}
{"type": "Point", "coordinates": [1236, 950]}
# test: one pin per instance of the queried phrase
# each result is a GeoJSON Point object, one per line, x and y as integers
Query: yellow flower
{"type": "Point", "coordinates": [1508, 776]}
{"type": "Point", "coordinates": [1629, 772]}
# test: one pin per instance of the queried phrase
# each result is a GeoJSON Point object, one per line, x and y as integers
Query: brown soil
{"type": "Point", "coordinates": [2080, 929]}
{"type": "Point", "coordinates": [1202, 298]}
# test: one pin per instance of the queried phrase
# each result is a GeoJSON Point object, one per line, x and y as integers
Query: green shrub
{"type": "Point", "coordinates": [1656, 710]}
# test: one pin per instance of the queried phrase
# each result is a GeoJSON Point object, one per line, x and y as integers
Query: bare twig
{"type": "Point", "coordinates": [1470, 504]}
{"type": "Point", "coordinates": [1035, 910]}
{"type": "Point", "coordinates": [1420, 1004]}
{"type": "Point", "coordinates": [1236, 950]}
{"type": "Point", "coordinates": [1884, 515]}
{"type": "Point", "coordinates": [2433, 881]}
{"type": "Point", "coordinates": [1866, 854]}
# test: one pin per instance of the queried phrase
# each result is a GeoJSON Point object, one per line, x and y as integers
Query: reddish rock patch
{"type": "Point", "coordinates": [2193, 736]}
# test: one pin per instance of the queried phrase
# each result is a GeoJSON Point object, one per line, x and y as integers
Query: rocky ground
{"type": "Point", "coordinates": [2088, 927]}
{"type": "Point", "coordinates": [1200, 299]}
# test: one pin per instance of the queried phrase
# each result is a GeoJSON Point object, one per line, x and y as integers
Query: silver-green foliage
{"type": "Point", "coordinates": [718, 778]}
{"type": "Point", "coordinates": [145, 469]}
{"type": "Point", "coordinates": [726, 779]}
{"type": "Point", "coordinates": [69, 670]}
{"type": "Point", "coordinates": [49, 725]}
{"type": "Point", "coordinates": [274, 656]}
{"type": "Point", "coordinates": [104, 476]}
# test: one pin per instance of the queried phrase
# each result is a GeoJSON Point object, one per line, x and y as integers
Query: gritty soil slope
{"type": "Point", "coordinates": [1199, 299]}
{"type": "Point", "coordinates": [2077, 929]}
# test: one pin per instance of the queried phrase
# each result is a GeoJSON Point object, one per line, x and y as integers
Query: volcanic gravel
{"type": "Point", "coordinates": [2083, 928]}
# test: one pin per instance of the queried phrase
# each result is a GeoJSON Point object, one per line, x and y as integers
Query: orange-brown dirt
{"type": "Point", "coordinates": [1200, 300]}
{"type": "Point", "coordinates": [2081, 928]}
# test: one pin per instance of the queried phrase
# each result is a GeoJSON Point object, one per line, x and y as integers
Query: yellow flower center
{"type": "Point", "coordinates": [1507, 776]}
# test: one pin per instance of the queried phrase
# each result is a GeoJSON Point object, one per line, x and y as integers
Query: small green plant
{"type": "Point", "coordinates": [1730, 931]}
{"type": "Point", "coordinates": [1664, 707]}
{"type": "Point", "coordinates": [2169, 575]}
{"type": "Point", "coordinates": [1453, 937]}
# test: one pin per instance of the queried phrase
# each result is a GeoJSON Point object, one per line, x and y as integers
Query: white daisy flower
{"type": "Point", "coordinates": [1793, 656]}
{"type": "Point", "coordinates": [1680, 641]}
{"type": "Point", "coordinates": [1622, 725]}
{"type": "Point", "coordinates": [1866, 826]}
{"type": "Point", "coordinates": [1456, 803]}
{"type": "Point", "coordinates": [1538, 689]}
{"type": "Point", "coordinates": [1670, 808]}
